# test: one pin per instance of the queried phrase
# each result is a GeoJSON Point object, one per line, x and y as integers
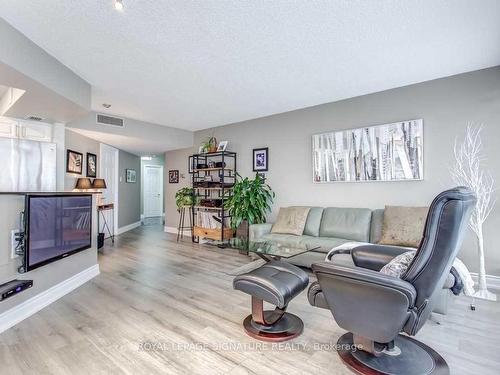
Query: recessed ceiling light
{"type": "Point", "coordinates": [106, 105]}
{"type": "Point", "coordinates": [119, 5]}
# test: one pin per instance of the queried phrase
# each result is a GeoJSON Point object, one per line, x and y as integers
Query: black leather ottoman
{"type": "Point", "coordinates": [278, 283]}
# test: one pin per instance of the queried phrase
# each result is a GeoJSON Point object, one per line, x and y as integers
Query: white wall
{"type": "Point", "coordinates": [445, 106]}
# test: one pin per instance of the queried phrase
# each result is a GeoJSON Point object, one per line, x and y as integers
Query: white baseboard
{"type": "Point", "coordinates": [493, 282]}
{"type": "Point", "coordinates": [171, 229]}
{"type": "Point", "coordinates": [31, 306]}
{"type": "Point", "coordinates": [174, 230]}
{"type": "Point", "coordinates": [126, 228]}
{"type": "Point", "coordinates": [145, 217]}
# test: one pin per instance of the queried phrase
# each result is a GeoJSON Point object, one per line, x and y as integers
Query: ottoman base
{"type": "Point", "coordinates": [286, 328]}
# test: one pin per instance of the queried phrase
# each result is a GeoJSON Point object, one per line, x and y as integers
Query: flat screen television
{"type": "Point", "coordinates": [56, 226]}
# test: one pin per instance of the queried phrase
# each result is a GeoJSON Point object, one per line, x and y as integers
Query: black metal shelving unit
{"type": "Point", "coordinates": [213, 175]}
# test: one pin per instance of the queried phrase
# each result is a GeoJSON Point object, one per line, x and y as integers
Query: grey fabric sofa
{"type": "Point", "coordinates": [331, 227]}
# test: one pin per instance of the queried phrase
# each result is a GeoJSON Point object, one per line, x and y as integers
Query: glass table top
{"type": "Point", "coordinates": [269, 248]}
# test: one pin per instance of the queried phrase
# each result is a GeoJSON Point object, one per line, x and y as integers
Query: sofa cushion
{"type": "Point", "coordinates": [398, 266]}
{"type": "Point", "coordinates": [326, 243]}
{"type": "Point", "coordinates": [403, 226]}
{"type": "Point", "coordinates": [348, 223]}
{"type": "Point", "coordinates": [291, 220]}
{"type": "Point", "coordinates": [376, 225]}
{"type": "Point", "coordinates": [313, 221]}
{"type": "Point", "coordinates": [284, 239]}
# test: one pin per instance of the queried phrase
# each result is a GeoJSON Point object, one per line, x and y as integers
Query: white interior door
{"type": "Point", "coordinates": [108, 168]}
{"type": "Point", "coordinates": [153, 190]}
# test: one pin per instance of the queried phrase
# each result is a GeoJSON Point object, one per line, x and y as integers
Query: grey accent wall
{"type": "Point", "coordinates": [175, 160]}
{"type": "Point", "coordinates": [80, 143]}
{"type": "Point", "coordinates": [158, 160]}
{"type": "Point", "coordinates": [129, 194]}
{"type": "Point", "coordinates": [43, 277]}
{"type": "Point", "coordinates": [446, 105]}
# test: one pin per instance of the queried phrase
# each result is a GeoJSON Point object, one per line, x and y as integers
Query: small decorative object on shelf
{"type": "Point", "coordinates": [222, 146]}
{"type": "Point", "coordinates": [213, 177]}
{"type": "Point", "coordinates": [210, 145]}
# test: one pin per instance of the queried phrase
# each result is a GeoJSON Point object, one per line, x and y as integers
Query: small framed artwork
{"type": "Point", "coordinates": [74, 162]}
{"type": "Point", "coordinates": [222, 146]}
{"type": "Point", "coordinates": [173, 176]}
{"type": "Point", "coordinates": [91, 165]}
{"type": "Point", "coordinates": [260, 159]}
{"type": "Point", "coordinates": [130, 175]}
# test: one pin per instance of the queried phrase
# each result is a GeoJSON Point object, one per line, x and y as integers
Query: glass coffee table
{"type": "Point", "coordinates": [269, 250]}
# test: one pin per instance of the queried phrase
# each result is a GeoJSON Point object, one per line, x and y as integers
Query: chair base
{"type": "Point", "coordinates": [416, 358]}
{"type": "Point", "coordinates": [286, 328]}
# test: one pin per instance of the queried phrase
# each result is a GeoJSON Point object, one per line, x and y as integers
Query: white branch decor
{"type": "Point", "coordinates": [468, 171]}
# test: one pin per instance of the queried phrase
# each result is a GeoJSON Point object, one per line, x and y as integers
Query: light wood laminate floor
{"type": "Point", "coordinates": [161, 307]}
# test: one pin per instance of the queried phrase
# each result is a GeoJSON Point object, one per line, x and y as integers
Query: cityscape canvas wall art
{"type": "Point", "coordinates": [389, 152]}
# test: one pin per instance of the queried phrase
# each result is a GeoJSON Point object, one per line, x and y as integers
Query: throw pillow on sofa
{"type": "Point", "coordinates": [291, 220]}
{"type": "Point", "coordinates": [403, 226]}
{"type": "Point", "coordinates": [397, 266]}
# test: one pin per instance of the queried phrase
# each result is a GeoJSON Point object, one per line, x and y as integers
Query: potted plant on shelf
{"type": "Point", "coordinates": [184, 197]}
{"type": "Point", "coordinates": [248, 203]}
{"type": "Point", "coordinates": [209, 145]}
{"type": "Point", "coordinates": [212, 144]}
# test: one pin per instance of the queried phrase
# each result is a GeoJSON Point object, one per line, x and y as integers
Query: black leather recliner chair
{"type": "Point", "coordinates": [376, 307]}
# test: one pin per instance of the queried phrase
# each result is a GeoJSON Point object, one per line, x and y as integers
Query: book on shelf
{"type": "Point", "coordinates": [210, 221]}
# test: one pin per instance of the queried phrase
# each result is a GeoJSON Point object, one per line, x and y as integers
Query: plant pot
{"type": "Point", "coordinates": [242, 232]}
{"type": "Point", "coordinates": [212, 149]}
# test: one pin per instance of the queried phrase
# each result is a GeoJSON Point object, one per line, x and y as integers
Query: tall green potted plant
{"type": "Point", "coordinates": [249, 202]}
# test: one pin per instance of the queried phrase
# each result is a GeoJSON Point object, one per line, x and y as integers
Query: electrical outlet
{"type": "Point", "coordinates": [13, 243]}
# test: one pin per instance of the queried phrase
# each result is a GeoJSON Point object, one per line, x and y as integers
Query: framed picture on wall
{"type": "Point", "coordinates": [388, 152]}
{"type": "Point", "coordinates": [131, 175]}
{"type": "Point", "coordinates": [91, 165]}
{"type": "Point", "coordinates": [173, 176]}
{"type": "Point", "coordinates": [74, 162]}
{"type": "Point", "coordinates": [260, 159]}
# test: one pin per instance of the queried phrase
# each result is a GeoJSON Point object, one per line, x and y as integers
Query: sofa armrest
{"type": "Point", "coordinates": [256, 231]}
{"type": "Point", "coordinates": [374, 257]}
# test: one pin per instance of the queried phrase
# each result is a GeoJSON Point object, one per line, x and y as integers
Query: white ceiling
{"type": "Point", "coordinates": [198, 64]}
